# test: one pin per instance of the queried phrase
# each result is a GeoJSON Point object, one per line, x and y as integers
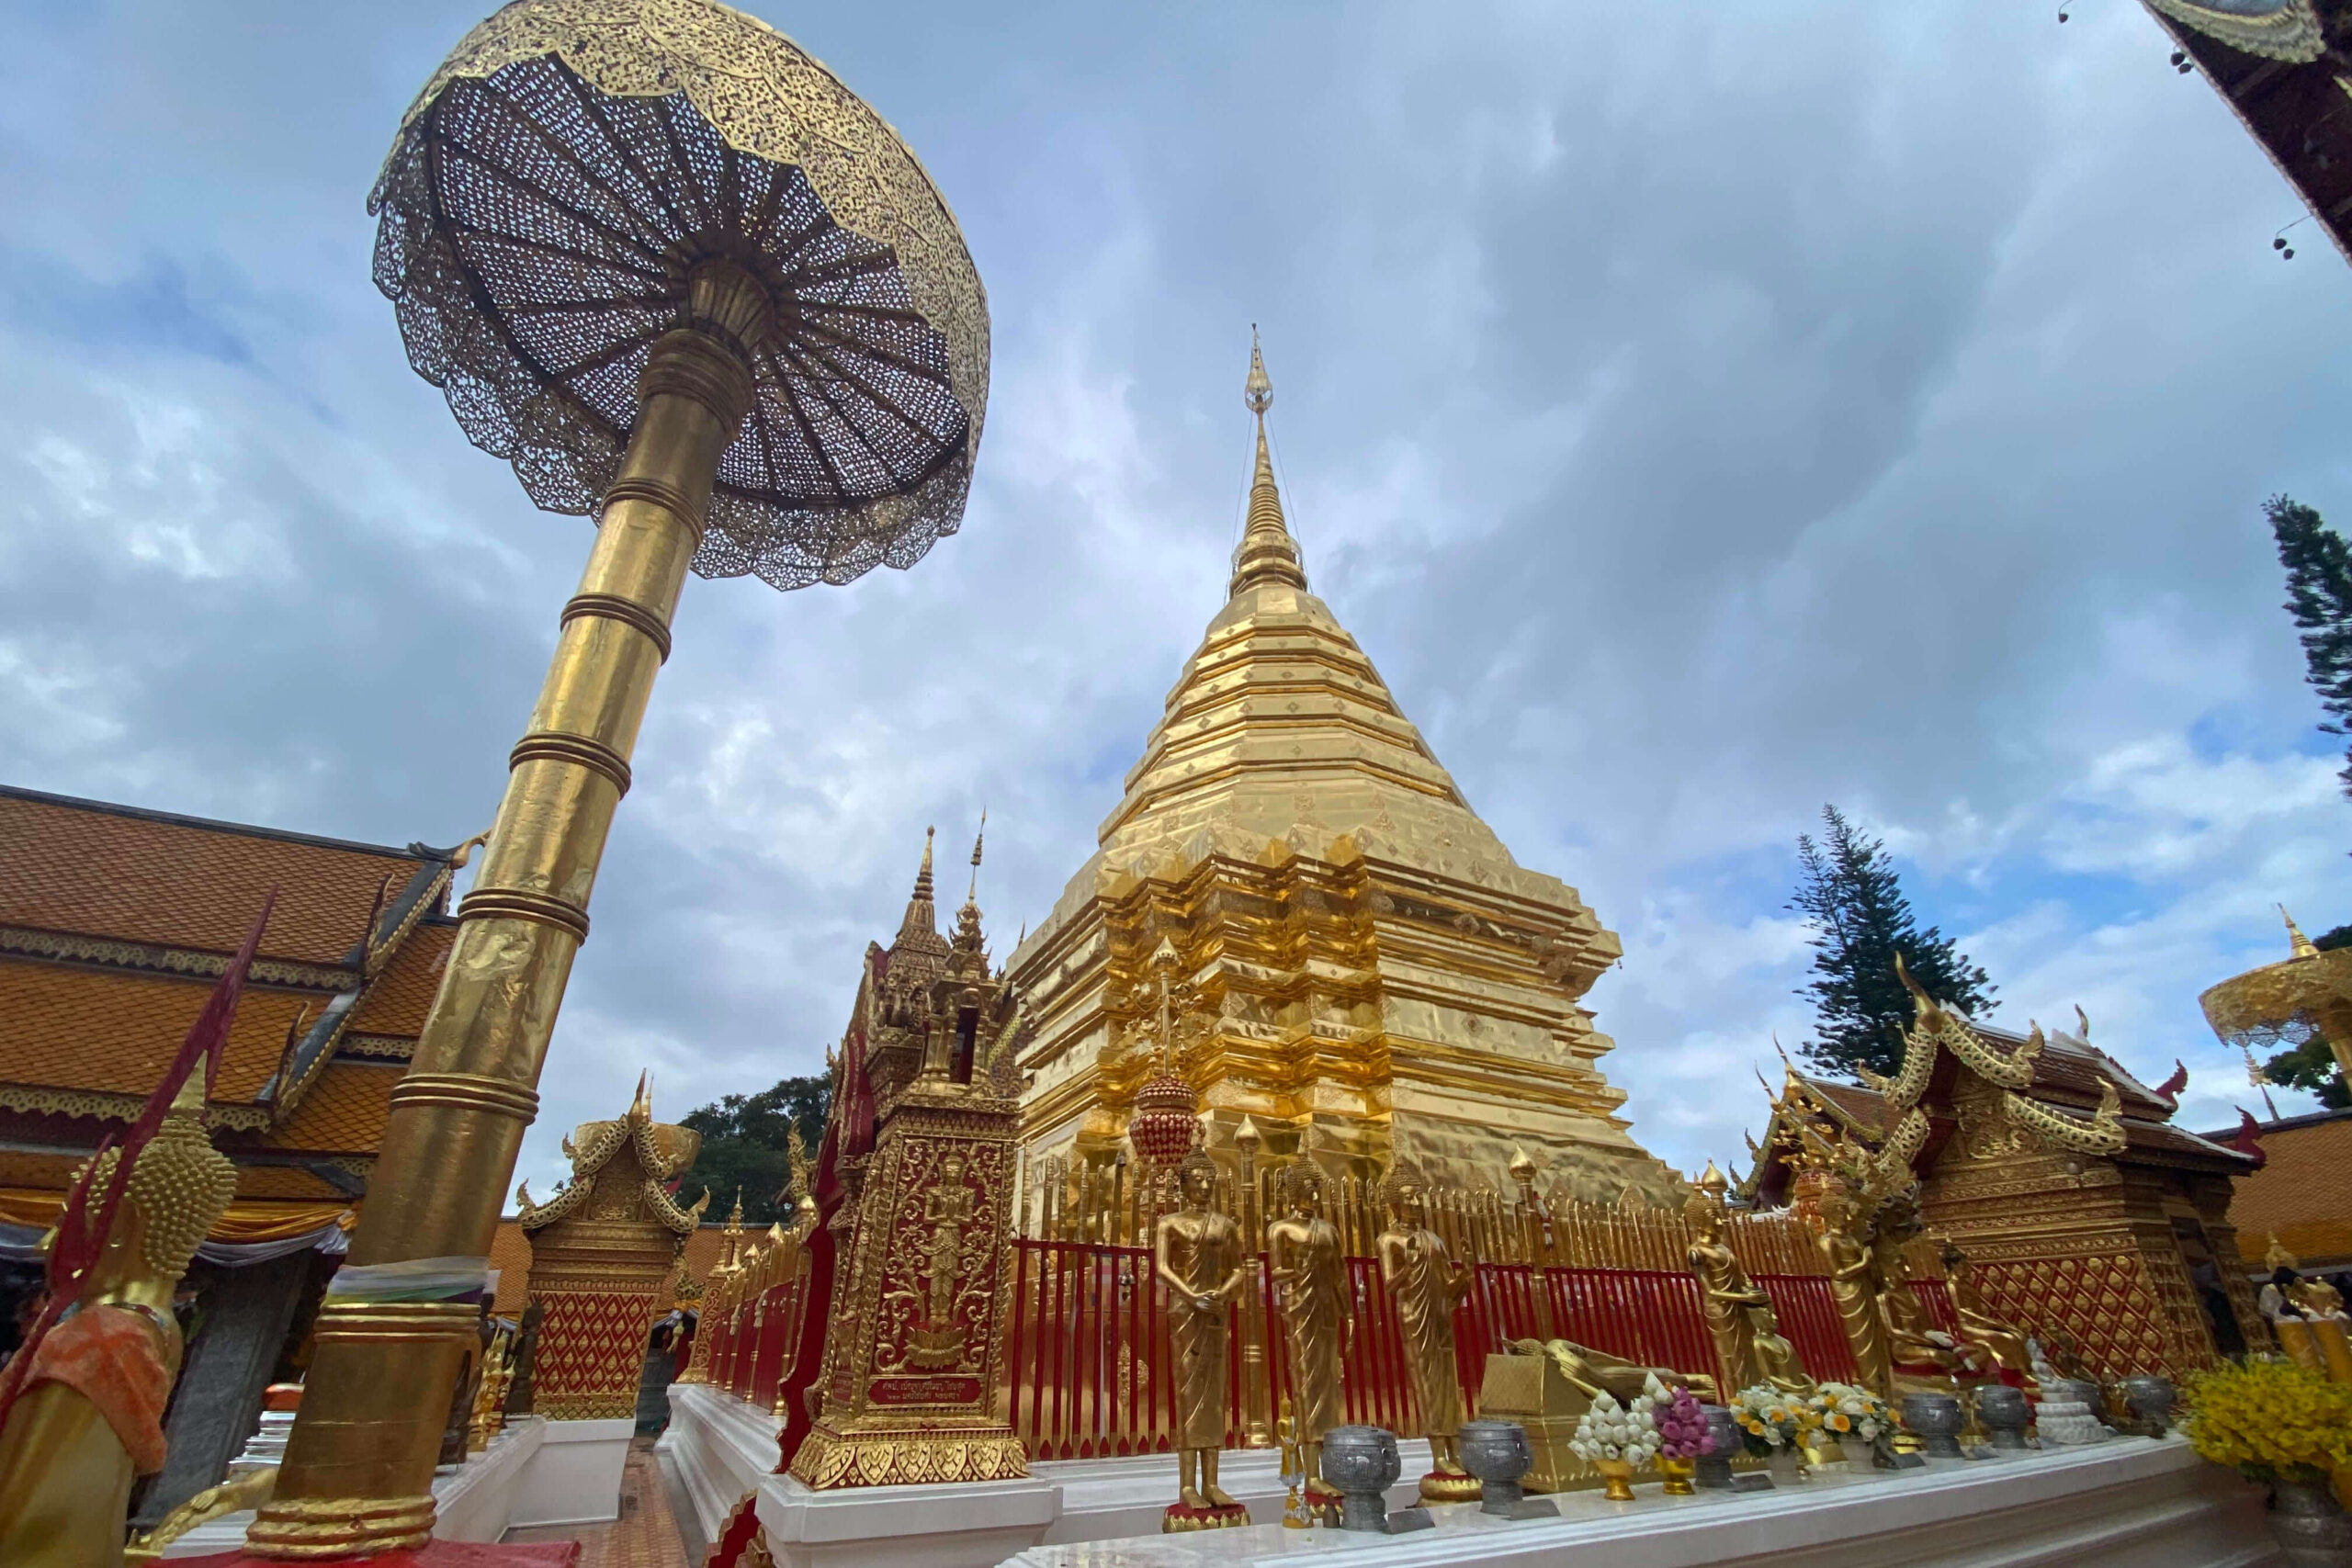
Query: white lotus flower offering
{"type": "Point", "coordinates": [1608, 1430]}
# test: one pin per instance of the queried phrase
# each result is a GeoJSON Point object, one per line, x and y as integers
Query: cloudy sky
{"type": "Point", "coordinates": [1699, 413]}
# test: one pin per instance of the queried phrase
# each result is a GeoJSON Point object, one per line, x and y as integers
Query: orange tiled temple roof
{"type": "Point", "coordinates": [114, 922]}
{"type": "Point", "coordinates": [100, 870]}
{"type": "Point", "coordinates": [68, 1027]}
{"type": "Point", "coordinates": [343, 1112]}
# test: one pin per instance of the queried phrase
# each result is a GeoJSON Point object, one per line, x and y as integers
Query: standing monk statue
{"type": "Point", "coordinates": [1851, 1286]}
{"type": "Point", "coordinates": [1740, 1314]}
{"type": "Point", "coordinates": [1427, 1284]}
{"type": "Point", "coordinates": [1197, 1252]}
{"type": "Point", "coordinates": [1310, 1286]}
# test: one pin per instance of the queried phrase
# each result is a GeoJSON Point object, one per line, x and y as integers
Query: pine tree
{"type": "Point", "coordinates": [2319, 595]}
{"type": "Point", "coordinates": [1850, 896]}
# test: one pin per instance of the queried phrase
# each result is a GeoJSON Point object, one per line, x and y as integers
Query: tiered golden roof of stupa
{"type": "Point", "coordinates": [1371, 964]}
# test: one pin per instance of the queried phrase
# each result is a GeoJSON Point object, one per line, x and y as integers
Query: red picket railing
{"type": "Point", "coordinates": [1807, 1313]}
{"type": "Point", "coordinates": [1088, 1360]}
{"type": "Point", "coordinates": [750, 1343]}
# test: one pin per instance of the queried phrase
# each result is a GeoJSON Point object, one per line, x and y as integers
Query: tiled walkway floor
{"type": "Point", "coordinates": [645, 1536]}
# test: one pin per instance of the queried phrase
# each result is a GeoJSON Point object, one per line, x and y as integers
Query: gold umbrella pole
{"type": "Point", "coordinates": [358, 1472]}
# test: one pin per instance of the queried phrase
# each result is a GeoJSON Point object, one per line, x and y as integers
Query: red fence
{"type": "Point", "coordinates": [1088, 1356]}
{"type": "Point", "coordinates": [750, 1343]}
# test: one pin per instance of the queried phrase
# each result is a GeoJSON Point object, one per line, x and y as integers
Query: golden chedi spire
{"type": "Point", "coordinates": [2299, 945]}
{"type": "Point", "coordinates": [1268, 553]}
{"type": "Point", "coordinates": [1423, 992]}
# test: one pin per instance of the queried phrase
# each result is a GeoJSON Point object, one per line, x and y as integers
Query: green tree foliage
{"type": "Point", "coordinates": [743, 1145]}
{"type": "Point", "coordinates": [1849, 894]}
{"type": "Point", "coordinates": [2319, 595]}
{"type": "Point", "coordinates": [2310, 1067]}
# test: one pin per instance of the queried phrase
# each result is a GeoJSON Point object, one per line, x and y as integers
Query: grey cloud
{"type": "Point", "coordinates": [1696, 412]}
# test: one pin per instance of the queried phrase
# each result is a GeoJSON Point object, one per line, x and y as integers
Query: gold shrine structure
{"type": "Point", "coordinates": [604, 1251]}
{"type": "Point", "coordinates": [911, 1384]}
{"type": "Point", "coordinates": [1375, 976]}
{"type": "Point", "coordinates": [2085, 1216]}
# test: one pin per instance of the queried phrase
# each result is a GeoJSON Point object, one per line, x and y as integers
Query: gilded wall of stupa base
{"type": "Point", "coordinates": [1351, 1007]}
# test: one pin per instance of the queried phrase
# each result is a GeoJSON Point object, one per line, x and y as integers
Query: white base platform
{"type": "Point", "coordinates": [575, 1478]}
{"type": "Point", "coordinates": [474, 1501]}
{"type": "Point", "coordinates": [716, 1448]}
{"type": "Point", "coordinates": [2132, 1503]}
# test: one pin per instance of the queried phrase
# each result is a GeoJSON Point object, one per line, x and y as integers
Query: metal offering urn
{"type": "Point", "coordinates": [1497, 1454]}
{"type": "Point", "coordinates": [2151, 1398]}
{"type": "Point", "coordinates": [1935, 1420]}
{"type": "Point", "coordinates": [1714, 1470]}
{"type": "Point", "coordinates": [2005, 1414]}
{"type": "Point", "coordinates": [1363, 1463]}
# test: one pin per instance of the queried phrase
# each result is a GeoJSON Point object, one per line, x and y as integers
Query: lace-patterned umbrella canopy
{"type": "Point", "coordinates": [538, 213]}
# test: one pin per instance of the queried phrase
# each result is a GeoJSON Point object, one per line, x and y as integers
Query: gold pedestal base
{"type": "Point", "coordinates": [829, 1459]}
{"type": "Point", "coordinates": [1179, 1517]}
{"type": "Point", "coordinates": [311, 1528]}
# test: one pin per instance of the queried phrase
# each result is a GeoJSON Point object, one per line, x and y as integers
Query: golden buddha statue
{"type": "Point", "coordinates": [1427, 1284]}
{"type": "Point", "coordinates": [1197, 1254]}
{"type": "Point", "coordinates": [1913, 1343]}
{"type": "Point", "coordinates": [2005, 1342]}
{"type": "Point", "coordinates": [89, 1420]}
{"type": "Point", "coordinates": [1740, 1314]}
{"type": "Point", "coordinates": [1851, 1286]}
{"type": "Point", "coordinates": [1594, 1372]}
{"type": "Point", "coordinates": [1310, 1291]}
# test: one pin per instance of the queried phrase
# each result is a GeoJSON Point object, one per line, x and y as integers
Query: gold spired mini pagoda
{"type": "Point", "coordinates": [1372, 976]}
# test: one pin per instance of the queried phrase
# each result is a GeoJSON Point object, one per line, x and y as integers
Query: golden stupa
{"type": "Point", "coordinates": [1359, 966]}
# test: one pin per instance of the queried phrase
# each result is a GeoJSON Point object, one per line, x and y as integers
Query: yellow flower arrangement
{"type": "Point", "coordinates": [2270, 1420]}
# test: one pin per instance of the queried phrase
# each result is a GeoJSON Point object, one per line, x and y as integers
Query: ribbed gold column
{"type": "Point", "coordinates": [358, 1470]}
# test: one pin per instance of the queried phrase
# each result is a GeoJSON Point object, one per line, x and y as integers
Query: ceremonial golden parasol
{"type": "Point", "coordinates": [672, 270]}
{"type": "Point", "coordinates": [2287, 1004]}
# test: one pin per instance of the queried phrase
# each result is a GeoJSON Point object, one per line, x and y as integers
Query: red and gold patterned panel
{"type": "Point", "coordinates": [592, 1353]}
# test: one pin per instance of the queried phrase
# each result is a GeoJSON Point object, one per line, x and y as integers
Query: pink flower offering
{"type": "Point", "coordinates": [1683, 1428]}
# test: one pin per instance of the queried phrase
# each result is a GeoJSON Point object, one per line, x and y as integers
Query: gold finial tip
{"type": "Point", "coordinates": [1522, 1167]}
{"type": "Point", "coordinates": [1258, 392]}
{"type": "Point", "coordinates": [1247, 1135]}
{"type": "Point", "coordinates": [2302, 945]}
{"type": "Point", "coordinates": [1710, 1179]}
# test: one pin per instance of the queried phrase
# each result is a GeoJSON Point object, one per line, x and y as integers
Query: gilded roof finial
{"type": "Point", "coordinates": [923, 918]}
{"type": "Point", "coordinates": [1268, 554]}
{"type": "Point", "coordinates": [2302, 944]}
{"type": "Point", "coordinates": [972, 896]}
{"type": "Point", "coordinates": [1258, 392]}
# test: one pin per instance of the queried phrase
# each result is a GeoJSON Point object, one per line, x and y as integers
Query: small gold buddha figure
{"type": "Point", "coordinates": [1197, 1254]}
{"type": "Point", "coordinates": [1740, 1314]}
{"type": "Point", "coordinates": [2003, 1341]}
{"type": "Point", "coordinates": [1913, 1343]}
{"type": "Point", "coordinates": [1851, 1286]}
{"type": "Point", "coordinates": [1427, 1284]}
{"type": "Point", "coordinates": [1310, 1291]}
